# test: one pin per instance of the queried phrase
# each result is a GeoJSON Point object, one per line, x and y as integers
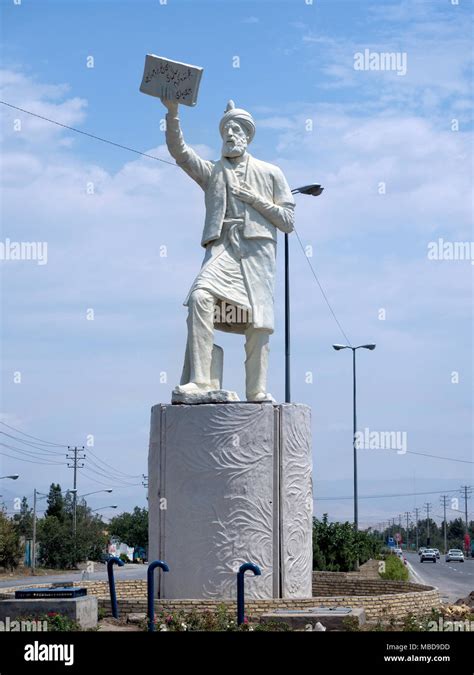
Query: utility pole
{"type": "Point", "coordinates": [33, 543]}
{"type": "Point", "coordinates": [427, 509]}
{"type": "Point", "coordinates": [145, 483]}
{"type": "Point", "coordinates": [416, 511]}
{"type": "Point", "coordinates": [75, 459]}
{"type": "Point", "coordinates": [407, 513]}
{"type": "Point", "coordinates": [444, 500]}
{"type": "Point", "coordinates": [33, 552]}
{"type": "Point", "coordinates": [467, 493]}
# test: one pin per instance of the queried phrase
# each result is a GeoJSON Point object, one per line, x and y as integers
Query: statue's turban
{"type": "Point", "coordinates": [242, 116]}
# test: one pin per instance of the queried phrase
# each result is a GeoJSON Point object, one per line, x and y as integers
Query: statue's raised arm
{"type": "Point", "coordinates": [199, 169]}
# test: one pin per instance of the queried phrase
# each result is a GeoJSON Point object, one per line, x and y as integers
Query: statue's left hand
{"type": "Point", "coordinates": [245, 193]}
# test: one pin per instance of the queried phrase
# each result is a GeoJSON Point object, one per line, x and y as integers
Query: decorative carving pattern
{"type": "Point", "coordinates": [296, 502]}
{"type": "Point", "coordinates": [218, 480]}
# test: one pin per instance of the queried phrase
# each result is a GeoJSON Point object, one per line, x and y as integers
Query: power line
{"type": "Point", "coordinates": [86, 133]}
{"type": "Point", "coordinates": [129, 475]}
{"type": "Point", "coordinates": [322, 290]}
{"type": "Point", "coordinates": [53, 452]}
{"type": "Point", "coordinates": [450, 459]}
{"type": "Point", "coordinates": [20, 459]}
{"type": "Point", "coordinates": [404, 494]}
{"type": "Point", "coordinates": [31, 445]}
{"type": "Point", "coordinates": [22, 451]}
{"type": "Point", "coordinates": [164, 161]}
{"type": "Point", "coordinates": [59, 445]}
{"type": "Point", "coordinates": [100, 472]}
{"type": "Point", "coordinates": [109, 485]}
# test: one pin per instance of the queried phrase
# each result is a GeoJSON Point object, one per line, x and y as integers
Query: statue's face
{"type": "Point", "coordinates": [234, 139]}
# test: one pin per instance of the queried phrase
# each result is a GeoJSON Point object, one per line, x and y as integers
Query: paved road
{"type": "Point", "coordinates": [454, 580]}
{"type": "Point", "coordinates": [132, 571]}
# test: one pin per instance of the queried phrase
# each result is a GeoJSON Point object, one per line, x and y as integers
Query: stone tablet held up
{"type": "Point", "coordinates": [171, 80]}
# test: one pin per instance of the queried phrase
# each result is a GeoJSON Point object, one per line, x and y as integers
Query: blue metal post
{"type": "Point", "coordinates": [151, 591]}
{"type": "Point", "coordinates": [240, 588]}
{"type": "Point", "coordinates": [110, 572]}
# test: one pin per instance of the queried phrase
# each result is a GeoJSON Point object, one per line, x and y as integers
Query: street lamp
{"type": "Point", "coordinates": [92, 493]}
{"type": "Point", "coordinates": [113, 506]}
{"type": "Point", "coordinates": [314, 191]}
{"type": "Point", "coordinates": [14, 476]}
{"type": "Point", "coordinates": [338, 347]}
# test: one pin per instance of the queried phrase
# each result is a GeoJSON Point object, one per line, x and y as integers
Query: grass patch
{"type": "Point", "coordinates": [395, 569]}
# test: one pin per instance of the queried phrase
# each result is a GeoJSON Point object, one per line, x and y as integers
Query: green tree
{"type": "Point", "coordinates": [10, 549]}
{"type": "Point", "coordinates": [55, 543]}
{"type": "Point", "coordinates": [24, 520]}
{"type": "Point", "coordinates": [131, 528]}
{"type": "Point", "coordinates": [59, 548]}
{"type": "Point", "coordinates": [455, 533]}
{"type": "Point", "coordinates": [337, 546]}
{"type": "Point", "coordinates": [55, 502]}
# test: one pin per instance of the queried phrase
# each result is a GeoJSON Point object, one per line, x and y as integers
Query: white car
{"type": "Point", "coordinates": [454, 555]}
{"type": "Point", "coordinates": [428, 554]}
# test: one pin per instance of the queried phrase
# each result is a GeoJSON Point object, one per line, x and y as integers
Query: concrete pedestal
{"type": "Point", "coordinates": [228, 484]}
{"type": "Point", "coordinates": [83, 610]}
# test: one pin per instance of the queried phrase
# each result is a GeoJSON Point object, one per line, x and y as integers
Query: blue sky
{"type": "Point", "coordinates": [100, 377]}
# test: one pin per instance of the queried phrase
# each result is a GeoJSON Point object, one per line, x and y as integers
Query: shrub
{"type": "Point", "coordinates": [338, 546]}
{"type": "Point", "coordinates": [395, 569]}
{"type": "Point", "coordinates": [10, 549]}
{"type": "Point", "coordinates": [219, 621]}
{"type": "Point", "coordinates": [56, 622]}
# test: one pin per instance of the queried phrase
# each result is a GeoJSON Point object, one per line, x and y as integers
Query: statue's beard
{"type": "Point", "coordinates": [234, 149]}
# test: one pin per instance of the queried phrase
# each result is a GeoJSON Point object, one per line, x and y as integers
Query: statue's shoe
{"type": "Point", "coordinates": [192, 388]}
{"type": "Point", "coordinates": [192, 392]}
{"type": "Point", "coordinates": [261, 397]}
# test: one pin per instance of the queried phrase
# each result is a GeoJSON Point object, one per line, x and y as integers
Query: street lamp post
{"type": "Point", "coordinates": [14, 476]}
{"type": "Point", "coordinates": [314, 191]}
{"type": "Point", "coordinates": [33, 543]}
{"type": "Point", "coordinates": [354, 422]}
{"type": "Point", "coordinates": [74, 518]}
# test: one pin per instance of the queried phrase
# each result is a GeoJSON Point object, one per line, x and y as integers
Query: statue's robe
{"type": "Point", "coordinates": [238, 237]}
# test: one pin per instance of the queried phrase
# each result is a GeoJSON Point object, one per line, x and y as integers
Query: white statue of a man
{"type": "Point", "coordinates": [246, 201]}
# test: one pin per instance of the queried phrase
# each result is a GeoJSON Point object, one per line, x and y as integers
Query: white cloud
{"type": "Point", "coordinates": [45, 100]}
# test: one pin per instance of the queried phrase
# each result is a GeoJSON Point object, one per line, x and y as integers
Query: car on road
{"type": "Point", "coordinates": [454, 555]}
{"type": "Point", "coordinates": [421, 549]}
{"type": "Point", "coordinates": [428, 554]}
{"type": "Point", "coordinates": [436, 550]}
{"type": "Point", "coordinates": [399, 553]}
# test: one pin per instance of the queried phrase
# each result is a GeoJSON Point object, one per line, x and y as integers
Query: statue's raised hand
{"type": "Point", "coordinates": [171, 105]}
